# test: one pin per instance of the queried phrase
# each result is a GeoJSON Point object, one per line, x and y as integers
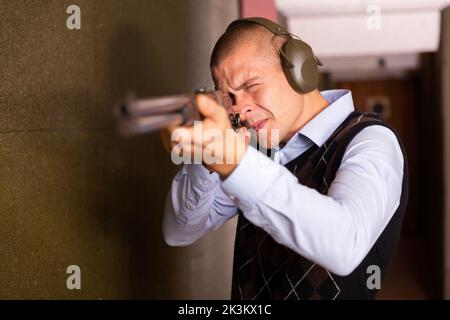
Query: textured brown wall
{"type": "Point", "coordinates": [71, 190]}
{"type": "Point", "coordinates": [445, 97]}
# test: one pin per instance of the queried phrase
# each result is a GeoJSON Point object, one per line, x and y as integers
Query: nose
{"type": "Point", "coordinates": [243, 105]}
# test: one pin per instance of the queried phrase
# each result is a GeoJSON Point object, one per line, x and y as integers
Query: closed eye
{"type": "Point", "coordinates": [251, 86]}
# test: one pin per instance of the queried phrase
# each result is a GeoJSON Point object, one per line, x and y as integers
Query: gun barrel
{"type": "Point", "coordinates": [133, 107]}
{"type": "Point", "coordinates": [137, 126]}
{"type": "Point", "coordinates": [139, 116]}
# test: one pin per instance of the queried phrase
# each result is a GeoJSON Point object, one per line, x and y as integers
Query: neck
{"type": "Point", "coordinates": [313, 104]}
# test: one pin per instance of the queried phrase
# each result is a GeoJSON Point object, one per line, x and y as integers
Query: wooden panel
{"type": "Point", "coordinates": [401, 94]}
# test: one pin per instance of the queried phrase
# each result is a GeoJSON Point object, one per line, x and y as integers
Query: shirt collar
{"type": "Point", "coordinates": [320, 128]}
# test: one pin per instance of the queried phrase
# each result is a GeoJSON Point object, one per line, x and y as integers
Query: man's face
{"type": "Point", "coordinates": [260, 92]}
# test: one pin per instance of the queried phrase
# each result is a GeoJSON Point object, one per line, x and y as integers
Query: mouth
{"type": "Point", "coordinates": [259, 124]}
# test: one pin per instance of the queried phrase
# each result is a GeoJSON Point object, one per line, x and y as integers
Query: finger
{"type": "Point", "coordinates": [182, 150]}
{"type": "Point", "coordinates": [177, 150]}
{"type": "Point", "coordinates": [211, 109]}
{"type": "Point", "coordinates": [181, 135]}
{"type": "Point", "coordinates": [200, 136]}
{"type": "Point", "coordinates": [191, 150]}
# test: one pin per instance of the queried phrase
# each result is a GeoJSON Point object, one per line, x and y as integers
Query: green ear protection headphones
{"type": "Point", "coordinates": [298, 61]}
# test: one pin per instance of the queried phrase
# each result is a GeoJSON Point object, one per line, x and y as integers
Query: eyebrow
{"type": "Point", "coordinates": [245, 83]}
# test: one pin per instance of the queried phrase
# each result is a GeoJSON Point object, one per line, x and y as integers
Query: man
{"type": "Point", "coordinates": [325, 212]}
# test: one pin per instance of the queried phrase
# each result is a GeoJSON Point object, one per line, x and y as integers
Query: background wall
{"type": "Point", "coordinates": [71, 190]}
{"type": "Point", "coordinates": [445, 97]}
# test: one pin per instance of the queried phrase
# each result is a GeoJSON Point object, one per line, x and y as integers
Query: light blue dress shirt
{"type": "Point", "coordinates": [336, 230]}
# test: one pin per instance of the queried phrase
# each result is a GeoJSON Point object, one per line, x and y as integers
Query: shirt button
{"type": "Point", "coordinates": [189, 205]}
{"type": "Point", "coordinates": [205, 182]}
{"type": "Point", "coordinates": [233, 198]}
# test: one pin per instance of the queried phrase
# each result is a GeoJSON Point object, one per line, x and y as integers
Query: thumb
{"type": "Point", "coordinates": [209, 108]}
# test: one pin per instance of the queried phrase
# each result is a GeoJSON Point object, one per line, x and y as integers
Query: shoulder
{"type": "Point", "coordinates": [377, 144]}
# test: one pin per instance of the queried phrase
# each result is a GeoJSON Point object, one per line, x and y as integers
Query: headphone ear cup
{"type": "Point", "coordinates": [300, 66]}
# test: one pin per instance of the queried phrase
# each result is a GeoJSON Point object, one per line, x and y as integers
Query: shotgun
{"type": "Point", "coordinates": [139, 116]}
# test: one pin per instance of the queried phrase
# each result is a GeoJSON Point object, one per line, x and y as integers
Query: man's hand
{"type": "Point", "coordinates": [212, 140]}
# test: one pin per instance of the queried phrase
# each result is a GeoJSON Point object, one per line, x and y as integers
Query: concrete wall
{"type": "Point", "coordinates": [71, 190]}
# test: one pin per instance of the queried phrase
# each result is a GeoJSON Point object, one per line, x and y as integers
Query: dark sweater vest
{"type": "Point", "coordinates": [264, 269]}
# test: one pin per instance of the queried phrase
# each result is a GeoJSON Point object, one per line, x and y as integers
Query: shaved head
{"type": "Point", "coordinates": [247, 34]}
